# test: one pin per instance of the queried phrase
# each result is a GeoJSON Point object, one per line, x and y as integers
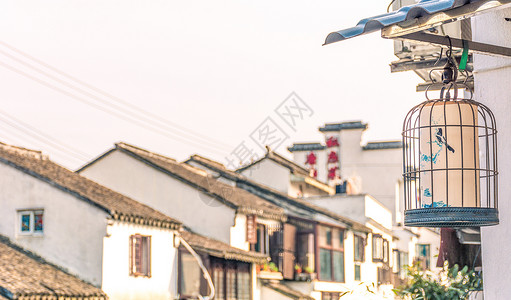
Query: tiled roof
{"type": "Point", "coordinates": [383, 145]}
{"type": "Point", "coordinates": [293, 167]}
{"type": "Point", "coordinates": [24, 275]}
{"type": "Point", "coordinates": [237, 198]}
{"type": "Point", "coordinates": [343, 126]}
{"type": "Point", "coordinates": [219, 249]}
{"type": "Point", "coordinates": [304, 204]}
{"type": "Point", "coordinates": [285, 290]}
{"type": "Point", "coordinates": [306, 147]}
{"type": "Point", "coordinates": [408, 16]}
{"type": "Point", "coordinates": [118, 206]}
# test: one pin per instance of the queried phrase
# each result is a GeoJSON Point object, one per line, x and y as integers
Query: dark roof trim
{"type": "Point", "coordinates": [306, 147]}
{"type": "Point", "coordinates": [52, 183]}
{"type": "Point", "coordinates": [114, 214]}
{"type": "Point", "coordinates": [383, 145]}
{"type": "Point", "coordinates": [220, 249]}
{"type": "Point", "coordinates": [94, 160]}
{"type": "Point", "coordinates": [286, 291]}
{"type": "Point", "coordinates": [250, 185]}
{"type": "Point", "coordinates": [343, 126]}
{"type": "Point", "coordinates": [240, 209]}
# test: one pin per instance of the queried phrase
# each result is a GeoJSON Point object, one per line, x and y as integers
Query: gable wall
{"type": "Point", "coordinates": [129, 176]}
{"type": "Point", "coordinates": [73, 229]}
{"type": "Point", "coordinates": [271, 174]}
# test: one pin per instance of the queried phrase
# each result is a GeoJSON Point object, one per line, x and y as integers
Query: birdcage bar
{"type": "Point", "coordinates": [437, 177]}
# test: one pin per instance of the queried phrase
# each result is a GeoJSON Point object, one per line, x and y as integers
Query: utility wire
{"type": "Point", "coordinates": [33, 137]}
{"type": "Point", "coordinates": [106, 110]}
{"type": "Point", "coordinates": [145, 114]}
{"type": "Point", "coordinates": [47, 139]}
{"type": "Point", "coordinates": [83, 92]}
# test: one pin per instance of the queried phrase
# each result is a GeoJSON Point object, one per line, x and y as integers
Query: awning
{"type": "Point", "coordinates": [418, 17]}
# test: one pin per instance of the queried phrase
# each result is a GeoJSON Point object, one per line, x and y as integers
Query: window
{"type": "Point", "coordinates": [331, 254]}
{"type": "Point", "coordinates": [380, 249]}
{"type": "Point", "coordinates": [262, 243]}
{"type": "Point", "coordinates": [231, 280]}
{"type": "Point", "coordinates": [423, 254]}
{"type": "Point", "coordinates": [140, 255]}
{"type": "Point", "coordinates": [31, 222]}
{"type": "Point", "coordinates": [359, 248]}
{"type": "Point", "coordinates": [357, 272]}
{"type": "Point", "coordinates": [330, 296]}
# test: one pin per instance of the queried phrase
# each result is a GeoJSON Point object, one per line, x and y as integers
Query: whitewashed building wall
{"type": "Point", "coordinates": [73, 229]}
{"type": "Point", "coordinates": [137, 180]}
{"type": "Point", "coordinates": [492, 76]}
{"type": "Point", "coordinates": [117, 281]}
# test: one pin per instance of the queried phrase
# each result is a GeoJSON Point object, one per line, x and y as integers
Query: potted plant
{"type": "Point", "coordinates": [298, 269]}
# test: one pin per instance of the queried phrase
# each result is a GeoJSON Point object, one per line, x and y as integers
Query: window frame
{"type": "Point", "coordinates": [332, 249]}
{"type": "Point", "coordinates": [331, 295]}
{"type": "Point", "coordinates": [361, 245]}
{"type": "Point", "coordinates": [133, 269]}
{"type": "Point", "coordinates": [428, 258]}
{"type": "Point", "coordinates": [231, 268]}
{"type": "Point", "coordinates": [381, 245]}
{"type": "Point", "coordinates": [32, 213]}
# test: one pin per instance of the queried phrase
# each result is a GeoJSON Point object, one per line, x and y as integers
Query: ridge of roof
{"type": "Point", "coordinates": [343, 125]}
{"type": "Point", "coordinates": [235, 197]}
{"type": "Point", "coordinates": [232, 175]}
{"type": "Point", "coordinates": [293, 167]}
{"type": "Point", "coordinates": [118, 206]}
{"type": "Point", "coordinates": [376, 145]}
{"type": "Point", "coordinates": [306, 147]}
{"type": "Point", "coordinates": [220, 249]}
{"type": "Point", "coordinates": [25, 274]}
{"type": "Point", "coordinates": [286, 290]}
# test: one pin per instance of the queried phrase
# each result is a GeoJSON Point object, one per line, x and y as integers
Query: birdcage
{"type": "Point", "coordinates": [450, 161]}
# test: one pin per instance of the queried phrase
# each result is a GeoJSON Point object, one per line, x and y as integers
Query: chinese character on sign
{"type": "Point", "coordinates": [293, 109]}
{"type": "Point", "coordinates": [332, 142]}
{"type": "Point", "coordinates": [332, 173]}
{"type": "Point", "coordinates": [310, 159]}
{"type": "Point", "coordinates": [313, 173]}
{"type": "Point", "coordinates": [332, 157]}
{"type": "Point", "coordinates": [268, 133]}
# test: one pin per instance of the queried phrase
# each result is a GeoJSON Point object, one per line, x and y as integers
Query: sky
{"type": "Point", "coordinates": [213, 71]}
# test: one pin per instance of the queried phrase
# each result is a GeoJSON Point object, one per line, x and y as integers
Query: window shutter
{"type": "Point", "coordinates": [251, 229]}
{"type": "Point", "coordinates": [289, 250]}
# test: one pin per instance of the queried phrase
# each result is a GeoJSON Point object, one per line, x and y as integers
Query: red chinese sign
{"type": "Point", "coordinates": [332, 142]}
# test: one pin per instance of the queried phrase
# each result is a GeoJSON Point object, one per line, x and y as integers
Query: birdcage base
{"type": "Point", "coordinates": [451, 217]}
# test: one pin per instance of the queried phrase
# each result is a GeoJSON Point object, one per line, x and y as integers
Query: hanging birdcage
{"type": "Point", "coordinates": [450, 161]}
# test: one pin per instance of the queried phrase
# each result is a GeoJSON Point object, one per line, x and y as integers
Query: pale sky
{"type": "Point", "coordinates": [217, 68]}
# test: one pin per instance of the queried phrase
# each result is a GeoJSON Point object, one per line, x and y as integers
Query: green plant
{"type": "Point", "coordinates": [448, 284]}
{"type": "Point", "coordinates": [298, 268]}
{"type": "Point", "coordinates": [273, 267]}
{"type": "Point", "coordinates": [309, 270]}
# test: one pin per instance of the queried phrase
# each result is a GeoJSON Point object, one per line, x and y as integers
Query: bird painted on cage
{"type": "Point", "coordinates": [442, 140]}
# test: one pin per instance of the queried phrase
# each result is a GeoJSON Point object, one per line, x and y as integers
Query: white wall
{"type": "Point", "coordinates": [73, 229]}
{"type": "Point", "coordinates": [356, 207]}
{"type": "Point", "coordinates": [492, 87]}
{"type": "Point", "coordinates": [299, 157]}
{"type": "Point", "coordinates": [239, 233]}
{"type": "Point", "coordinates": [271, 174]}
{"type": "Point", "coordinates": [154, 188]}
{"type": "Point", "coordinates": [117, 282]}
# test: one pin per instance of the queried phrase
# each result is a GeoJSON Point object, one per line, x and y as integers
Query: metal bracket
{"type": "Point", "coordinates": [475, 47]}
